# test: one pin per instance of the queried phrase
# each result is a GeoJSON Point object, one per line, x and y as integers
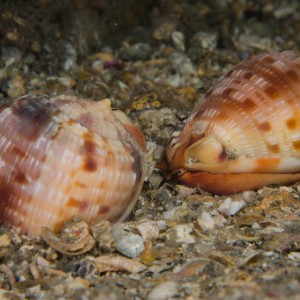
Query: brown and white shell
{"type": "Point", "coordinates": [65, 157]}
{"type": "Point", "coordinates": [245, 133]}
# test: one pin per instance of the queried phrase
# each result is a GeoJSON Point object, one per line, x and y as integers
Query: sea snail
{"type": "Point", "coordinates": [65, 157]}
{"type": "Point", "coordinates": [245, 133]}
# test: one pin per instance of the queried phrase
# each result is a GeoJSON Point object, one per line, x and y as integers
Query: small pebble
{"type": "Point", "coordinates": [139, 51]}
{"type": "Point", "coordinates": [164, 291]}
{"type": "Point", "coordinates": [206, 221]}
{"type": "Point", "coordinates": [206, 40]}
{"type": "Point", "coordinates": [7, 295]}
{"type": "Point", "coordinates": [161, 224]}
{"type": "Point", "coordinates": [230, 208]}
{"type": "Point", "coordinates": [11, 55]}
{"type": "Point", "coordinates": [4, 240]}
{"type": "Point", "coordinates": [77, 283]}
{"type": "Point", "coordinates": [59, 289]}
{"type": "Point", "coordinates": [67, 81]}
{"type": "Point", "coordinates": [294, 256]}
{"type": "Point", "coordinates": [178, 40]}
{"type": "Point", "coordinates": [16, 87]}
{"type": "Point", "coordinates": [170, 213]}
{"type": "Point", "coordinates": [185, 70]}
{"type": "Point", "coordinates": [148, 230]}
{"type": "Point", "coordinates": [70, 62]}
{"type": "Point", "coordinates": [180, 234]}
{"type": "Point", "coordinates": [127, 243]}
{"type": "Point", "coordinates": [164, 30]}
{"type": "Point", "coordinates": [283, 12]}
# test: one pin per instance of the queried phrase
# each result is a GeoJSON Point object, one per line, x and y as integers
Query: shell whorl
{"type": "Point", "coordinates": [65, 157]}
{"type": "Point", "coordinates": [253, 113]}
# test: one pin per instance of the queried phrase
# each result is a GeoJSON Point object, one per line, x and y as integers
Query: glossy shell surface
{"type": "Point", "coordinates": [65, 157]}
{"type": "Point", "coordinates": [245, 133]}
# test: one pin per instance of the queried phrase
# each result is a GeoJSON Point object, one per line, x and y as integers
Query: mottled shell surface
{"type": "Point", "coordinates": [65, 157]}
{"type": "Point", "coordinates": [245, 133]}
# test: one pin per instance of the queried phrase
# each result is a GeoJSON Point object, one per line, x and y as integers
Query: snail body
{"type": "Point", "coordinates": [65, 157]}
{"type": "Point", "coordinates": [245, 133]}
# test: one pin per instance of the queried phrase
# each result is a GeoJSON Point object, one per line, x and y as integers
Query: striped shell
{"type": "Point", "coordinates": [245, 133]}
{"type": "Point", "coordinates": [65, 157]}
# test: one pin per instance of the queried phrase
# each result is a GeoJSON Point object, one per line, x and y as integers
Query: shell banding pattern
{"type": "Point", "coordinates": [245, 133]}
{"type": "Point", "coordinates": [65, 157]}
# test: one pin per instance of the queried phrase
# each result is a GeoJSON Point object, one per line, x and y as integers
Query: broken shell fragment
{"type": "Point", "coordinates": [65, 157]}
{"type": "Point", "coordinates": [74, 240]}
{"type": "Point", "coordinates": [117, 263]}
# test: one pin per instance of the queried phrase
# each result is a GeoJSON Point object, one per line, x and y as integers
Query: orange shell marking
{"type": "Point", "coordinates": [66, 157]}
{"type": "Point", "coordinates": [245, 133]}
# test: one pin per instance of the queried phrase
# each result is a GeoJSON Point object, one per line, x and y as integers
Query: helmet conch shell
{"type": "Point", "coordinates": [245, 133]}
{"type": "Point", "coordinates": [66, 157]}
